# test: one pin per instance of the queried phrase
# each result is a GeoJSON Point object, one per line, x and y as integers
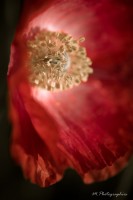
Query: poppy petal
{"type": "Point", "coordinates": [90, 124]}
{"type": "Point", "coordinates": [29, 150]}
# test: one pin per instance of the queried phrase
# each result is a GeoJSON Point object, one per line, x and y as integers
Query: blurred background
{"type": "Point", "coordinates": [12, 183]}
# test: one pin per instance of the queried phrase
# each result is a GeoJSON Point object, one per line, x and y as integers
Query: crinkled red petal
{"type": "Point", "coordinates": [29, 150]}
{"type": "Point", "coordinates": [94, 129]}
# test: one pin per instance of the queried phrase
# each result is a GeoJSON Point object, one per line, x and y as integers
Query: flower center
{"type": "Point", "coordinates": [57, 61]}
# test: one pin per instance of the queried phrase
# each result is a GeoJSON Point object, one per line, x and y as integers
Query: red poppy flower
{"type": "Point", "coordinates": [88, 127]}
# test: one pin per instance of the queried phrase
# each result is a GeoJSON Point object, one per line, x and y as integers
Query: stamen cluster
{"type": "Point", "coordinates": [57, 61]}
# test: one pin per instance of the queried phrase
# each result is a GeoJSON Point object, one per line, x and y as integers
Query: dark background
{"type": "Point", "coordinates": [12, 184]}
